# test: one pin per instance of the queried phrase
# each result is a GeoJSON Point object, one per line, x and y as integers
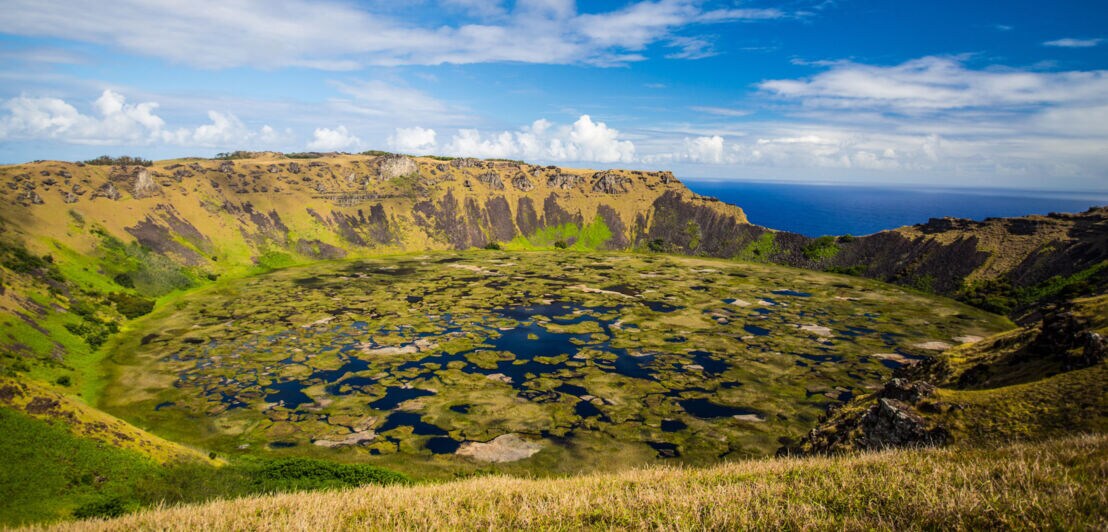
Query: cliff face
{"type": "Point", "coordinates": [211, 215]}
{"type": "Point", "coordinates": [997, 258]}
{"type": "Point", "coordinates": [199, 212]}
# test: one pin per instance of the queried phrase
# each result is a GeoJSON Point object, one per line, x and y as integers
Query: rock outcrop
{"type": "Point", "coordinates": [609, 182]}
{"type": "Point", "coordinates": [393, 166]}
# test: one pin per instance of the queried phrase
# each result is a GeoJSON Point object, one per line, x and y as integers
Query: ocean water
{"type": "Point", "coordinates": [816, 210]}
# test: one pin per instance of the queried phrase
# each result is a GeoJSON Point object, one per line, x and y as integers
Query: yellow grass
{"type": "Point", "coordinates": [1056, 484]}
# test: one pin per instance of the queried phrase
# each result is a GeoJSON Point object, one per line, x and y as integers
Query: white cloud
{"type": "Point", "coordinates": [937, 83]}
{"type": "Point", "coordinates": [325, 139]}
{"type": "Point", "coordinates": [1073, 43]}
{"type": "Point", "coordinates": [339, 35]}
{"type": "Point", "coordinates": [583, 141]}
{"type": "Point", "coordinates": [720, 111]}
{"type": "Point", "coordinates": [413, 139]}
{"type": "Point", "coordinates": [117, 122]}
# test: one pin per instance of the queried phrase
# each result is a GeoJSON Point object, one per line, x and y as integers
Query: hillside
{"type": "Point", "coordinates": [174, 331]}
{"type": "Point", "coordinates": [1055, 484]}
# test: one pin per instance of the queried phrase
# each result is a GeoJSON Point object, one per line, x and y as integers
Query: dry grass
{"type": "Point", "coordinates": [1061, 484]}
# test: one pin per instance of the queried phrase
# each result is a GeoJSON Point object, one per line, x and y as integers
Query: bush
{"type": "Point", "coordinates": [294, 474]}
{"type": "Point", "coordinates": [64, 380]}
{"type": "Point", "coordinates": [561, 244]}
{"type": "Point", "coordinates": [657, 245]}
{"type": "Point", "coordinates": [821, 248]}
{"type": "Point", "coordinates": [123, 160]}
{"type": "Point", "coordinates": [105, 508]}
{"type": "Point", "coordinates": [131, 306]}
{"type": "Point", "coordinates": [493, 246]}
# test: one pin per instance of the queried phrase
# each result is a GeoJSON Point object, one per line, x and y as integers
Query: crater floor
{"type": "Point", "coordinates": [521, 362]}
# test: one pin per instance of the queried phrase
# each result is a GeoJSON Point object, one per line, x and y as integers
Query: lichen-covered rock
{"type": "Point", "coordinates": [564, 181]}
{"type": "Point", "coordinates": [893, 423]}
{"type": "Point", "coordinates": [144, 186]}
{"type": "Point", "coordinates": [522, 183]}
{"type": "Point", "coordinates": [492, 179]}
{"type": "Point", "coordinates": [467, 162]}
{"type": "Point", "coordinates": [107, 190]}
{"type": "Point", "coordinates": [610, 182]}
{"type": "Point", "coordinates": [393, 166]}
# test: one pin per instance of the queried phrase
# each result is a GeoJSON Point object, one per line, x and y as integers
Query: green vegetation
{"type": "Point", "coordinates": [566, 236]}
{"type": "Point", "coordinates": [235, 155]}
{"type": "Point", "coordinates": [822, 248]}
{"type": "Point", "coordinates": [632, 335]}
{"type": "Point", "coordinates": [998, 295]}
{"type": "Point", "coordinates": [272, 260]}
{"type": "Point", "coordinates": [51, 474]}
{"type": "Point", "coordinates": [123, 160]}
{"type": "Point", "coordinates": [761, 249]}
{"type": "Point", "coordinates": [857, 270]}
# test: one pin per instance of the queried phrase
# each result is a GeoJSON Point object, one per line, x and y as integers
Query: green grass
{"type": "Point", "coordinates": [50, 474]}
{"type": "Point", "coordinates": [592, 236]}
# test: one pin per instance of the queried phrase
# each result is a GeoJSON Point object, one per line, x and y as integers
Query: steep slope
{"type": "Point", "coordinates": [1031, 383]}
{"type": "Point", "coordinates": [1001, 264]}
{"type": "Point", "coordinates": [1056, 484]}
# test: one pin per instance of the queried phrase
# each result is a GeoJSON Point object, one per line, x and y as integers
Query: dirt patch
{"type": "Point", "coordinates": [505, 448]}
{"type": "Point", "coordinates": [933, 345]}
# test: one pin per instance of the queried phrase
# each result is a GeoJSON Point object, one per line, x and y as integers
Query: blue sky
{"type": "Point", "coordinates": [1009, 94]}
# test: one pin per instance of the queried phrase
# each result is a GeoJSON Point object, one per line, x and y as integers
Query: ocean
{"type": "Point", "coordinates": [816, 210]}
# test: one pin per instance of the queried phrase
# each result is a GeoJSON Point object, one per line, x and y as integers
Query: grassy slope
{"type": "Point", "coordinates": [1054, 484]}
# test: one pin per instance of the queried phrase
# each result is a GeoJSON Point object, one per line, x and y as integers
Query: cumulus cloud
{"type": "Point", "coordinates": [338, 35]}
{"type": "Point", "coordinates": [116, 122]}
{"type": "Point", "coordinates": [583, 141]}
{"type": "Point", "coordinates": [338, 139]}
{"type": "Point", "coordinates": [1073, 43]}
{"type": "Point", "coordinates": [413, 139]}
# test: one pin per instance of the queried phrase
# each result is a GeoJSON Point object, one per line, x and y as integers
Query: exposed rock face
{"type": "Point", "coordinates": [610, 182]}
{"type": "Point", "coordinates": [227, 167]}
{"type": "Point", "coordinates": [393, 166]}
{"type": "Point", "coordinates": [564, 181]}
{"type": "Point", "coordinates": [107, 190]}
{"type": "Point", "coordinates": [1066, 337]}
{"type": "Point", "coordinates": [893, 418]}
{"type": "Point", "coordinates": [31, 197]}
{"type": "Point", "coordinates": [892, 423]}
{"type": "Point", "coordinates": [467, 162]}
{"type": "Point", "coordinates": [69, 197]}
{"type": "Point", "coordinates": [144, 186]}
{"type": "Point", "coordinates": [522, 183]}
{"type": "Point", "coordinates": [492, 179]}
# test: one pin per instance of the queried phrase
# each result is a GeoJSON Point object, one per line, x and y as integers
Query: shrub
{"type": "Point", "coordinates": [493, 246]}
{"type": "Point", "coordinates": [292, 474]}
{"type": "Point", "coordinates": [105, 508]}
{"type": "Point", "coordinates": [64, 380]}
{"type": "Point", "coordinates": [123, 160]}
{"type": "Point", "coordinates": [821, 248]}
{"type": "Point", "coordinates": [131, 306]}
{"type": "Point", "coordinates": [561, 244]}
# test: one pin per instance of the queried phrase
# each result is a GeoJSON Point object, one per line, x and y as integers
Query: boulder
{"type": "Point", "coordinates": [467, 162]}
{"type": "Point", "coordinates": [893, 423]}
{"type": "Point", "coordinates": [144, 186]}
{"type": "Point", "coordinates": [393, 166]}
{"type": "Point", "coordinates": [522, 183]}
{"type": "Point", "coordinates": [69, 197]}
{"type": "Point", "coordinates": [107, 190]}
{"type": "Point", "coordinates": [492, 179]}
{"type": "Point", "coordinates": [609, 182]}
{"type": "Point", "coordinates": [564, 181]}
